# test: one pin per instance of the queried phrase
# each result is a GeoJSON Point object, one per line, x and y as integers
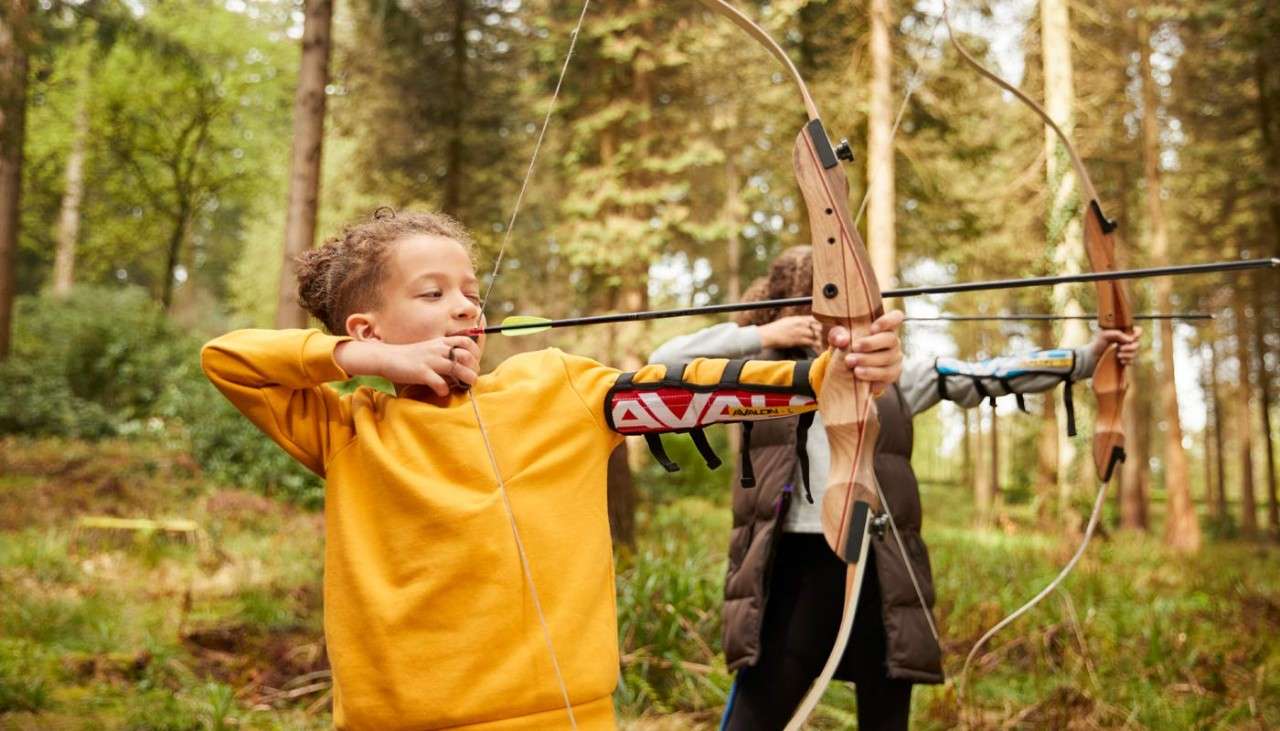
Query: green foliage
{"type": "Point", "coordinates": [669, 600]}
{"type": "Point", "coordinates": [25, 676]}
{"type": "Point", "coordinates": [92, 365]}
{"type": "Point", "coordinates": [228, 447]}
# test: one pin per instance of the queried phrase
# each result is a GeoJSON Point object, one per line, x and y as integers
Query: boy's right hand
{"type": "Point", "coordinates": [437, 363]}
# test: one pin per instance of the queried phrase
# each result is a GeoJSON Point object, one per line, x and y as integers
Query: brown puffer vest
{"type": "Point", "coordinates": [911, 651]}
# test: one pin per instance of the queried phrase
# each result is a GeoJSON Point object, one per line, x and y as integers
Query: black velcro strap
{"type": "Point", "coordinates": [709, 456]}
{"type": "Point", "coordinates": [802, 450]}
{"type": "Point", "coordinates": [732, 373]}
{"type": "Point", "coordinates": [659, 453]}
{"type": "Point", "coordinates": [1069, 402]}
{"type": "Point", "coordinates": [748, 474]}
{"type": "Point", "coordinates": [982, 391]}
{"type": "Point", "coordinates": [942, 382]}
{"type": "Point", "coordinates": [801, 376]}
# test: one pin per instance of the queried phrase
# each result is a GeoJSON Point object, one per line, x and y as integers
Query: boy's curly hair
{"type": "Point", "coordinates": [790, 275]}
{"type": "Point", "coordinates": [345, 274]}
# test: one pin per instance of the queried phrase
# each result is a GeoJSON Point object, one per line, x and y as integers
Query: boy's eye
{"type": "Point", "coordinates": [433, 294]}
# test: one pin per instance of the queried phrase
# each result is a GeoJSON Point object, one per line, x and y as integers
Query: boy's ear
{"type": "Point", "coordinates": [362, 326]}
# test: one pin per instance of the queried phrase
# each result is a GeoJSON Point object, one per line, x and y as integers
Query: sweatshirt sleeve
{"type": "Point", "coordinates": [926, 381]}
{"type": "Point", "coordinates": [276, 378]}
{"type": "Point", "coordinates": [726, 340]}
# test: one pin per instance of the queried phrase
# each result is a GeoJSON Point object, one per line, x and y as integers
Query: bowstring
{"type": "Point", "coordinates": [1099, 499]}
{"type": "Point", "coordinates": [913, 82]}
{"type": "Point", "coordinates": [475, 406]}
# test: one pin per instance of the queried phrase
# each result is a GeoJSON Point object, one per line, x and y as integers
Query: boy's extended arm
{"type": "Point", "coordinates": [276, 378]}
{"type": "Point", "coordinates": [663, 398]}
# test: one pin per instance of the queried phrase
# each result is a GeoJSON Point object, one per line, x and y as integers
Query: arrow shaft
{"type": "Point", "coordinates": [1040, 318]}
{"type": "Point", "coordinates": [996, 284]}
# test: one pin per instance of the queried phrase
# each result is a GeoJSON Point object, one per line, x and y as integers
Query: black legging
{"type": "Point", "coordinates": [806, 595]}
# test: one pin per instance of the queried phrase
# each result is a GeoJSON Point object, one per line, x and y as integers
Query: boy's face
{"type": "Point", "coordinates": [430, 291]}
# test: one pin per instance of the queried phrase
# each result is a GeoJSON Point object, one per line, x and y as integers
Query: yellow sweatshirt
{"type": "Point", "coordinates": [428, 619]}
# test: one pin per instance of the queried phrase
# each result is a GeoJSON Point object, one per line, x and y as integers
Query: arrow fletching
{"type": "Point", "coordinates": [524, 325]}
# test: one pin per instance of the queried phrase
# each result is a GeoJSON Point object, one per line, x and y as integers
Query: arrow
{"type": "Point", "coordinates": [531, 324]}
{"type": "Point", "coordinates": [1041, 318]}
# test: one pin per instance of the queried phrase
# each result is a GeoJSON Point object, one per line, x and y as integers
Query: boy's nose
{"type": "Point", "coordinates": [467, 310]}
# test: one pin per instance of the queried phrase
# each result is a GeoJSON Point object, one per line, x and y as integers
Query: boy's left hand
{"type": "Point", "coordinates": [875, 357]}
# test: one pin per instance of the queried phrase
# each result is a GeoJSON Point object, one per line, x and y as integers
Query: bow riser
{"type": "Point", "coordinates": [1110, 382]}
{"type": "Point", "coordinates": [845, 292]}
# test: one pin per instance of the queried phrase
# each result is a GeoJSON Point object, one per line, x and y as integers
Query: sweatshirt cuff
{"type": "Point", "coordinates": [318, 360]}
{"type": "Point", "coordinates": [1085, 363]}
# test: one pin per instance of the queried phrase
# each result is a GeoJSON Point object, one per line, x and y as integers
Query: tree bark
{"type": "Point", "coordinates": [1182, 527]}
{"type": "Point", "coordinates": [881, 243]}
{"type": "Point", "coordinates": [1220, 464]}
{"type": "Point", "coordinates": [983, 485]}
{"type": "Point", "coordinates": [1059, 102]}
{"type": "Point", "coordinates": [64, 260]}
{"type": "Point", "coordinates": [1135, 474]}
{"type": "Point", "coordinates": [1046, 447]}
{"type": "Point", "coordinates": [13, 113]}
{"type": "Point", "coordinates": [1264, 390]}
{"type": "Point", "coordinates": [1244, 419]}
{"type": "Point", "coordinates": [1208, 383]}
{"type": "Point", "coordinates": [304, 164]}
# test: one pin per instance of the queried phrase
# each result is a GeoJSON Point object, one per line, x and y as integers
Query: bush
{"type": "Point", "coordinates": [91, 365]}
{"type": "Point", "coordinates": [228, 446]}
{"type": "Point", "coordinates": [107, 362]}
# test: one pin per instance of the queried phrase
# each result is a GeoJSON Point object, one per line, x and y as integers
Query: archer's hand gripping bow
{"type": "Point", "coordinates": [1109, 381]}
{"type": "Point", "coordinates": [845, 293]}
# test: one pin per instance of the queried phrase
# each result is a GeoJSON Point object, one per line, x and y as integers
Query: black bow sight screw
{"type": "Point", "coordinates": [844, 152]}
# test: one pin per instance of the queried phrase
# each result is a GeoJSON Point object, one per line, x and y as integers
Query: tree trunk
{"type": "Point", "coordinates": [304, 161]}
{"type": "Point", "coordinates": [983, 485]}
{"type": "Point", "coordinates": [13, 113]}
{"type": "Point", "coordinates": [1208, 383]}
{"type": "Point", "coordinates": [1244, 419]}
{"type": "Point", "coordinates": [881, 244]}
{"type": "Point", "coordinates": [966, 449]}
{"type": "Point", "coordinates": [451, 200]}
{"type": "Point", "coordinates": [1059, 102]}
{"type": "Point", "coordinates": [1182, 527]}
{"type": "Point", "coordinates": [64, 260]}
{"type": "Point", "coordinates": [1046, 447]}
{"type": "Point", "coordinates": [1264, 389]}
{"type": "Point", "coordinates": [1220, 463]}
{"type": "Point", "coordinates": [174, 251]}
{"type": "Point", "coordinates": [994, 498]}
{"type": "Point", "coordinates": [1135, 472]}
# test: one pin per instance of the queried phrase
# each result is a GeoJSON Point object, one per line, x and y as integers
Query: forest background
{"type": "Point", "coordinates": [159, 159]}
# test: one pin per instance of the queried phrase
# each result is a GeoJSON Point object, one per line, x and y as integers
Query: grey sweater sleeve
{"type": "Point", "coordinates": [965, 380]}
{"type": "Point", "coordinates": [726, 340]}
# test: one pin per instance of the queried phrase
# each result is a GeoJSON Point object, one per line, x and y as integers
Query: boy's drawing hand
{"type": "Point", "coordinates": [877, 356]}
{"type": "Point", "coordinates": [1128, 351]}
{"type": "Point", "coordinates": [435, 363]}
{"type": "Point", "coordinates": [796, 331]}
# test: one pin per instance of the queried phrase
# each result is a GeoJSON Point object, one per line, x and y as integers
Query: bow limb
{"type": "Point", "coordinates": [845, 294]}
{"type": "Point", "coordinates": [1109, 381]}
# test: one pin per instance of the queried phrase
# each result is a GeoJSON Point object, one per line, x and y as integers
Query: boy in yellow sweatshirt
{"type": "Point", "coordinates": [468, 567]}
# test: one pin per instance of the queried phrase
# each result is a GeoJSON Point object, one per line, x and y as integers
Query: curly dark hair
{"type": "Point", "coordinates": [790, 275]}
{"type": "Point", "coordinates": [345, 274]}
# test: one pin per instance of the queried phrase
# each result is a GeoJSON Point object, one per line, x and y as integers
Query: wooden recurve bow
{"type": "Point", "coordinates": [1109, 380]}
{"type": "Point", "coordinates": [845, 293]}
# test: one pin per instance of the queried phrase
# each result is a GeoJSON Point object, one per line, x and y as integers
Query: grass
{"type": "Point", "coordinates": [103, 630]}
